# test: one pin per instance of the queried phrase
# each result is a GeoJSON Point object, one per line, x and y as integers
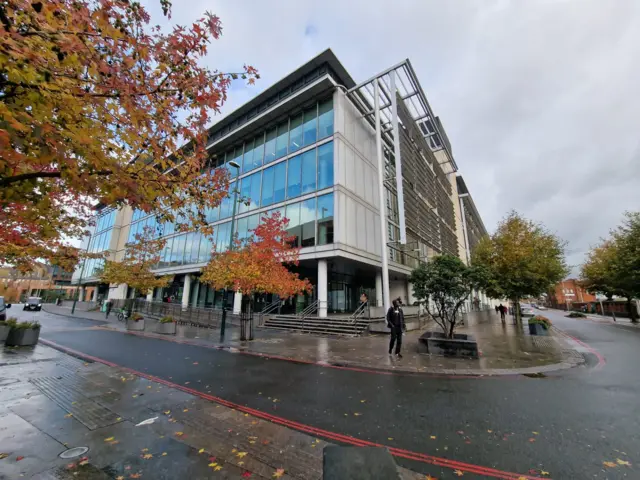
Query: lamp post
{"type": "Point", "coordinates": [75, 300]}
{"type": "Point", "coordinates": [233, 219]}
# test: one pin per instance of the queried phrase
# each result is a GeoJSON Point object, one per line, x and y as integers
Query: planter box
{"type": "Point", "coordinates": [166, 328]}
{"type": "Point", "coordinates": [461, 345]}
{"type": "Point", "coordinates": [22, 338]}
{"type": "Point", "coordinates": [4, 332]}
{"type": "Point", "coordinates": [537, 329]}
{"type": "Point", "coordinates": [136, 326]}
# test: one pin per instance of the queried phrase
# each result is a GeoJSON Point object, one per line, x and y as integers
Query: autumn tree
{"type": "Point", "coordinates": [94, 103]}
{"type": "Point", "coordinates": [135, 269]}
{"type": "Point", "coordinates": [445, 283]}
{"type": "Point", "coordinates": [258, 265]}
{"type": "Point", "coordinates": [613, 266]}
{"type": "Point", "coordinates": [521, 259]}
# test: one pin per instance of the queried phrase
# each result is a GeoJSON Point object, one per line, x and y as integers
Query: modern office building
{"type": "Point", "coordinates": [310, 147]}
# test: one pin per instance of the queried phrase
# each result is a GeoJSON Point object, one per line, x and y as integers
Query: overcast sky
{"type": "Point", "coordinates": [540, 98]}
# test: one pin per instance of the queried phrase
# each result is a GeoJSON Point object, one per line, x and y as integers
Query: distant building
{"type": "Point", "coordinates": [568, 292]}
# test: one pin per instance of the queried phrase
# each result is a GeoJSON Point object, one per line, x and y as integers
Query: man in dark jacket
{"type": "Point", "coordinates": [395, 321]}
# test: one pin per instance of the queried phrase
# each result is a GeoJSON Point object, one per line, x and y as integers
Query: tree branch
{"type": "Point", "coordinates": [4, 182]}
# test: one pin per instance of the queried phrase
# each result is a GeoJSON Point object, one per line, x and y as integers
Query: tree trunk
{"type": "Point", "coordinates": [632, 310]}
{"type": "Point", "coordinates": [516, 309]}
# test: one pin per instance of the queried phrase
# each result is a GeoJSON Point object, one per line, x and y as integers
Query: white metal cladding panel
{"type": "Point", "coordinates": [361, 225]}
{"type": "Point", "coordinates": [371, 232]}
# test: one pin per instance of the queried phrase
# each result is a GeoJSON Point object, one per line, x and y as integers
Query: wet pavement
{"type": "Point", "coordinates": [505, 349]}
{"type": "Point", "coordinates": [577, 423]}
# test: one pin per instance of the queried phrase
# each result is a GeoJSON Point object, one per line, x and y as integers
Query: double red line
{"type": "Point", "coordinates": [337, 437]}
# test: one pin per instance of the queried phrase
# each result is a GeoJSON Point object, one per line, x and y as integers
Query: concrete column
{"type": "Point", "coordinates": [81, 297]}
{"type": "Point", "coordinates": [158, 295]}
{"type": "Point", "coordinates": [237, 303]}
{"type": "Point", "coordinates": [379, 300]}
{"type": "Point", "coordinates": [410, 297]}
{"type": "Point", "coordinates": [185, 291]}
{"type": "Point", "coordinates": [150, 296]}
{"type": "Point", "coordinates": [95, 294]}
{"type": "Point", "coordinates": [196, 292]}
{"type": "Point", "coordinates": [322, 289]}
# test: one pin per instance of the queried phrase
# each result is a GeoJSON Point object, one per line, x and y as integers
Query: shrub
{"type": "Point", "coordinates": [136, 317]}
{"type": "Point", "coordinates": [539, 319]}
{"type": "Point", "coordinates": [13, 323]}
{"type": "Point", "coordinates": [167, 319]}
{"type": "Point", "coordinates": [576, 315]}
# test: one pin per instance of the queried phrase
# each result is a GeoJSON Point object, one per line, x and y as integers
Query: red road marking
{"type": "Point", "coordinates": [601, 360]}
{"type": "Point", "coordinates": [420, 457]}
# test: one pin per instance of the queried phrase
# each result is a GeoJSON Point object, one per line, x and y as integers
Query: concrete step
{"type": "Point", "coordinates": [314, 330]}
{"type": "Point", "coordinates": [317, 321]}
{"type": "Point", "coordinates": [315, 326]}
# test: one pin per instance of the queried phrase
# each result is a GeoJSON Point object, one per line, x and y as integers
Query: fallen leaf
{"type": "Point", "coordinates": [489, 431]}
{"type": "Point", "coordinates": [535, 433]}
{"type": "Point", "coordinates": [19, 458]}
{"type": "Point", "coordinates": [68, 415]}
{"type": "Point", "coordinates": [362, 401]}
{"type": "Point", "coordinates": [241, 454]}
{"type": "Point", "coordinates": [164, 454]}
{"type": "Point", "coordinates": [357, 414]}
{"type": "Point", "coordinates": [623, 462]}
{"type": "Point", "coordinates": [278, 473]}
{"type": "Point", "coordinates": [73, 403]}
{"type": "Point", "coordinates": [167, 412]}
{"type": "Point", "coordinates": [179, 434]}
{"type": "Point", "coordinates": [246, 475]}
{"type": "Point", "coordinates": [195, 363]}
{"type": "Point", "coordinates": [134, 396]}
{"type": "Point", "coordinates": [135, 475]}
{"type": "Point", "coordinates": [432, 437]}
{"type": "Point", "coordinates": [542, 472]}
{"type": "Point", "coordinates": [213, 464]}
{"type": "Point", "coordinates": [185, 410]}
{"type": "Point", "coordinates": [532, 440]}
{"type": "Point", "coordinates": [149, 387]}
{"type": "Point", "coordinates": [217, 468]}
{"type": "Point", "coordinates": [118, 419]}
{"type": "Point", "coordinates": [147, 456]}
{"type": "Point", "coordinates": [201, 450]}
{"type": "Point", "coordinates": [234, 450]}
{"type": "Point", "coordinates": [3, 455]}
{"type": "Point", "coordinates": [83, 461]}
{"type": "Point", "coordinates": [120, 478]}
{"type": "Point", "coordinates": [240, 464]}
{"type": "Point", "coordinates": [458, 473]}
{"type": "Point", "coordinates": [610, 464]}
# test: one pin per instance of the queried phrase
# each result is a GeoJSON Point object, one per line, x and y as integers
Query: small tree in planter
{"type": "Point", "coordinates": [539, 325]}
{"type": "Point", "coordinates": [166, 325]}
{"type": "Point", "coordinates": [448, 282]}
{"type": "Point", "coordinates": [5, 328]}
{"type": "Point", "coordinates": [135, 322]}
{"type": "Point", "coordinates": [22, 333]}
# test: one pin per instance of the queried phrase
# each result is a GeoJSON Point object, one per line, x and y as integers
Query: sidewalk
{"type": "Point", "coordinates": [505, 349]}
{"type": "Point", "coordinates": [51, 402]}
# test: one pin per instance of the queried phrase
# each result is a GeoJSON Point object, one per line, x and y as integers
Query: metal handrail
{"type": "Point", "coordinates": [310, 309]}
{"type": "Point", "coordinates": [359, 312]}
{"type": "Point", "coordinates": [267, 310]}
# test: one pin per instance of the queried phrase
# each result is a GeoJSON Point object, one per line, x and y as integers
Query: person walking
{"type": "Point", "coordinates": [503, 310]}
{"type": "Point", "coordinates": [395, 321]}
{"type": "Point", "coordinates": [497, 309]}
{"type": "Point", "coordinates": [107, 309]}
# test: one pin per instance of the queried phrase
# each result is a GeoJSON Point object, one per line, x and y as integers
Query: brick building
{"type": "Point", "coordinates": [569, 291]}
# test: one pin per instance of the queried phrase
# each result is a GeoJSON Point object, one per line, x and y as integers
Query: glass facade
{"type": "Point", "coordinates": [99, 242]}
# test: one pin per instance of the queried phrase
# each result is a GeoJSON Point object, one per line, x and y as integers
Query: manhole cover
{"type": "Point", "coordinates": [74, 452]}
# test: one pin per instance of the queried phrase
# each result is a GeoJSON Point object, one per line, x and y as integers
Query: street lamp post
{"type": "Point", "coordinates": [233, 219]}
{"type": "Point", "coordinates": [75, 300]}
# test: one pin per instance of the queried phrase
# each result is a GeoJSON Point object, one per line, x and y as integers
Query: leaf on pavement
{"type": "Point", "coordinates": [241, 454]}
{"type": "Point", "coordinates": [610, 464]}
{"type": "Point", "coordinates": [458, 473]}
{"type": "Point", "coordinates": [213, 464]}
{"type": "Point", "coordinates": [278, 473]}
{"type": "Point", "coordinates": [3, 455]}
{"type": "Point", "coordinates": [135, 475]}
{"type": "Point", "coordinates": [535, 433]}
{"type": "Point", "coordinates": [19, 458]}
{"type": "Point", "coordinates": [164, 454]}
{"type": "Point", "coordinates": [147, 456]}
{"type": "Point", "coordinates": [185, 410]}
{"type": "Point", "coordinates": [217, 468]}
{"type": "Point", "coordinates": [120, 477]}
{"type": "Point", "coordinates": [167, 412]}
{"type": "Point", "coordinates": [179, 434]}
{"type": "Point", "coordinates": [246, 475]}
{"type": "Point", "coordinates": [542, 472]}
{"type": "Point", "coordinates": [357, 414]}
{"type": "Point", "coordinates": [68, 415]}
{"type": "Point", "coordinates": [532, 440]}
{"type": "Point", "coordinates": [83, 461]}
{"type": "Point", "coordinates": [489, 431]}
{"type": "Point", "coordinates": [201, 450]}
{"type": "Point", "coordinates": [432, 437]}
{"type": "Point", "coordinates": [195, 363]}
{"type": "Point", "coordinates": [623, 462]}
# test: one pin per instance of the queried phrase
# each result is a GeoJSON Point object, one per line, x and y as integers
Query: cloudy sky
{"type": "Point", "coordinates": [540, 98]}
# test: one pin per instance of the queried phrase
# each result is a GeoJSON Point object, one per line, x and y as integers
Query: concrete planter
{"type": "Point", "coordinates": [537, 329]}
{"type": "Point", "coordinates": [4, 332]}
{"type": "Point", "coordinates": [135, 326]}
{"type": "Point", "coordinates": [19, 337]}
{"type": "Point", "coordinates": [166, 328]}
{"type": "Point", "coordinates": [461, 345]}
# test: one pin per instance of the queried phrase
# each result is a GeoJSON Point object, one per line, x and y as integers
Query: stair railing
{"type": "Point", "coordinates": [269, 309]}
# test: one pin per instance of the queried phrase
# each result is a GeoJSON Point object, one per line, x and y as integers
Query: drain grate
{"type": "Point", "coordinates": [74, 452]}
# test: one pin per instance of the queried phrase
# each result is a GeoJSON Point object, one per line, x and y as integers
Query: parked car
{"type": "Point", "coordinates": [33, 303]}
{"type": "Point", "coordinates": [527, 312]}
{"type": "Point", "coordinates": [3, 309]}
{"type": "Point", "coordinates": [542, 307]}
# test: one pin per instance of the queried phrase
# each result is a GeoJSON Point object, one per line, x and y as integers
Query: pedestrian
{"type": "Point", "coordinates": [497, 309]}
{"type": "Point", "coordinates": [108, 308]}
{"type": "Point", "coordinates": [395, 321]}
{"type": "Point", "coordinates": [502, 309]}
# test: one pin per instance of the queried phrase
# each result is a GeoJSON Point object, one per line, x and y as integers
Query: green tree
{"type": "Point", "coordinates": [521, 259]}
{"type": "Point", "coordinates": [447, 282]}
{"type": "Point", "coordinates": [599, 273]}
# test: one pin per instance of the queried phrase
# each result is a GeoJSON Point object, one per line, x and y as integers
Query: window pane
{"type": "Point", "coordinates": [188, 247]}
{"type": "Point", "coordinates": [227, 203]}
{"type": "Point", "coordinates": [222, 239]}
{"type": "Point", "coordinates": [212, 213]}
{"type": "Point", "coordinates": [295, 137]}
{"type": "Point", "coordinates": [247, 159]}
{"type": "Point", "coordinates": [177, 251]}
{"type": "Point", "coordinates": [279, 180]}
{"type": "Point", "coordinates": [258, 151]}
{"type": "Point", "coordinates": [325, 219]}
{"type": "Point", "coordinates": [310, 127]}
{"type": "Point", "coordinates": [254, 194]}
{"type": "Point", "coordinates": [308, 222]}
{"type": "Point", "coordinates": [282, 140]}
{"type": "Point", "coordinates": [309, 171]}
{"type": "Point", "coordinates": [293, 229]}
{"type": "Point", "coordinates": [237, 157]}
{"type": "Point", "coordinates": [294, 179]}
{"type": "Point", "coordinates": [204, 252]}
{"type": "Point", "coordinates": [245, 194]}
{"type": "Point", "coordinates": [252, 224]}
{"type": "Point", "coordinates": [325, 165]}
{"type": "Point", "coordinates": [325, 119]}
{"type": "Point", "coordinates": [270, 146]}
{"type": "Point", "coordinates": [197, 238]}
{"type": "Point", "coordinates": [169, 228]}
{"type": "Point", "coordinates": [133, 229]}
{"type": "Point", "coordinates": [166, 257]}
{"type": "Point", "coordinates": [241, 229]}
{"type": "Point", "coordinates": [267, 185]}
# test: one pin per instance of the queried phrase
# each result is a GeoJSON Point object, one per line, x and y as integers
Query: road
{"type": "Point", "coordinates": [566, 423]}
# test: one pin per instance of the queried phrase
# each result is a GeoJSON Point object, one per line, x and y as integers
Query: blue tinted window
{"type": "Point", "coordinates": [169, 228]}
{"type": "Point", "coordinates": [279, 182]}
{"type": "Point", "coordinates": [293, 228]}
{"type": "Point", "coordinates": [270, 146]}
{"type": "Point", "coordinates": [254, 194]}
{"type": "Point", "coordinates": [267, 185]}
{"type": "Point", "coordinates": [308, 223]}
{"type": "Point", "coordinates": [325, 219]}
{"type": "Point", "coordinates": [204, 252]}
{"type": "Point", "coordinates": [310, 126]}
{"type": "Point", "coordinates": [133, 229]}
{"type": "Point", "coordinates": [241, 229]}
{"type": "Point", "coordinates": [222, 236]}
{"type": "Point", "coordinates": [212, 213]}
{"type": "Point", "coordinates": [177, 250]}
{"type": "Point", "coordinates": [227, 202]}
{"type": "Point", "coordinates": [258, 151]}
{"type": "Point", "coordinates": [325, 165]}
{"type": "Point", "coordinates": [294, 180]}
{"type": "Point", "coordinates": [252, 224]}
{"type": "Point", "coordinates": [165, 261]}
{"type": "Point", "coordinates": [295, 135]}
{"type": "Point", "coordinates": [247, 159]}
{"type": "Point", "coordinates": [245, 193]}
{"type": "Point", "coordinates": [309, 171]}
{"type": "Point", "coordinates": [188, 247]}
{"type": "Point", "coordinates": [325, 119]}
{"type": "Point", "coordinates": [282, 140]}
{"type": "Point", "coordinates": [237, 157]}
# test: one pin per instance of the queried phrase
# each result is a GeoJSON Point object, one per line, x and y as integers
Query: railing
{"type": "Point", "coordinates": [198, 316]}
{"type": "Point", "coordinates": [360, 312]}
{"type": "Point", "coordinates": [309, 310]}
{"type": "Point", "coordinates": [268, 309]}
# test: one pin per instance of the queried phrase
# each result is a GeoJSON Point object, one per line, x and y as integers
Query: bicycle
{"type": "Point", "coordinates": [122, 315]}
